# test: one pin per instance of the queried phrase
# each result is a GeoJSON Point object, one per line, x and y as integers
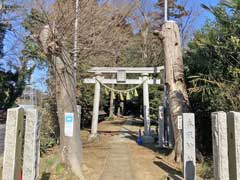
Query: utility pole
{"type": "Point", "coordinates": [165, 10]}
{"type": "Point", "coordinates": [76, 41]}
{"type": "Point", "coordinates": [2, 33]}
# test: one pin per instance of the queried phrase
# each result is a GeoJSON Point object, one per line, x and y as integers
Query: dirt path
{"type": "Point", "coordinates": [118, 165]}
{"type": "Point", "coordinates": [117, 156]}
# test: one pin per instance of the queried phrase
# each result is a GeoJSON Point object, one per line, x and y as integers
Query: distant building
{"type": "Point", "coordinates": [32, 97]}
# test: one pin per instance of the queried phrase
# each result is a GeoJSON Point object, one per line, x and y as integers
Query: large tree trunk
{"type": "Point", "coordinates": [70, 147]}
{"type": "Point", "coordinates": [174, 72]}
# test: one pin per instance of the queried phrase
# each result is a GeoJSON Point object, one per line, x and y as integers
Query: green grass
{"type": "Point", "coordinates": [48, 164]}
{"type": "Point", "coordinates": [51, 167]}
{"type": "Point", "coordinates": [60, 169]}
{"type": "Point", "coordinates": [206, 170]}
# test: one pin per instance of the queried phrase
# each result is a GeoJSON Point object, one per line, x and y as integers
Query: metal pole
{"type": "Point", "coordinates": [165, 10]}
{"type": "Point", "coordinates": [76, 41]}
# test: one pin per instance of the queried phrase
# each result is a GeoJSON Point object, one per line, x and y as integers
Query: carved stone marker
{"type": "Point", "coordinates": [161, 126]}
{"type": "Point", "coordinates": [189, 152]}
{"type": "Point", "coordinates": [220, 146]}
{"type": "Point", "coordinates": [13, 144]}
{"type": "Point", "coordinates": [31, 157]}
{"type": "Point", "coordinates": [233, 122]}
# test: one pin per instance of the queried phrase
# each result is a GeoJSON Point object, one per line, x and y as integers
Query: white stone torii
{"type": "Point", "coordinates": [121, 79]}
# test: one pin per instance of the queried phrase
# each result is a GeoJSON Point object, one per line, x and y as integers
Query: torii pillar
{"type": "Point", "coordinates": [96, 107]}
{"type": "Point", "coordinates": [147, 138]}
{"type": "Point", "coordinates": [146, 105]}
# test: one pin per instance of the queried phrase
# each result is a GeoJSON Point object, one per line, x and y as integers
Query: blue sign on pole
{"type": "Point", "coordinates": [69, 120]}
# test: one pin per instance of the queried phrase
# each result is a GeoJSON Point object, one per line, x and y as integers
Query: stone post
{"type": "Point", "coordinates": [147, 138]}
{"type": "Point", "coordinates": [220, 146]}
{"type": "Point", "coordinates": [161, 126]}
{"type": "Point", "coordinates": [12, 159]}
{"type": "Point", "coordinates": [146, 105]}
{"type": "Point", "coordinates": [31, 154]}
{"type": "Point", "coordinates": [96, 108]}
{"type": "Point", "coordinates": [79, 110]}
{"type": "Point", "coordinates": [233, 123]}
{"type": "Point", "coordinates": [189, 151]}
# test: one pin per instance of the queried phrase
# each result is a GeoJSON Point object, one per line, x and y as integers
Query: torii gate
{"type": "Point", "coordinates": [122, 79]}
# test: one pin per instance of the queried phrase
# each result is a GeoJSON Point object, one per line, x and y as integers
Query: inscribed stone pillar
{"type": "Point", "coordinates": [161, 126]}
{"type": "Point", "coordinates": [31, 154]}
{"type": "Point", "coordinates": [233, 123]}
{"type": "Point", "coordinates": [220, 146]}
{"type": "Point", "coordinates": [95, 107]}
{"type": "Point", "coordinates": [146, 105]}
{"type": "Point", "coordinates": [12, 159]}
{"type": "Point", "coordinates": [189, 151]}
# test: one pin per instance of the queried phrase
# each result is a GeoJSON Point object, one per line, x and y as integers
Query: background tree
{"type": "Point", "coordinates": [212, 65]}
{"type": "Point", "coordinates": [14, 78]}
{"type": "Point", "coordinates": [12, 85]}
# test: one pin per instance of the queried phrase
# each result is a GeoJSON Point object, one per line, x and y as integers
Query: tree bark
{"type": "Point", "coordinates": [174, 74]}
{"type": "Point", "coordinates": [70, 147]}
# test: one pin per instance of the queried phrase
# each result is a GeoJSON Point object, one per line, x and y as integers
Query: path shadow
{"type": "Point", "coordinates": [116, 132]}
{"type": "Point", "coordinates": [172, 172]}
{"type": "Point", "coordinates": [46, 176]}
{"type": "Point", "coordinates": [117, 123]}
{"type": "Point", "coordinates": [131, 121]}
{"type": "Point", "coordinates": [136, 122]}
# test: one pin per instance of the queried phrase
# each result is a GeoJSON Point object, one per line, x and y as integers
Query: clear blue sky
{"type": "Point", "coordinates": [39, 76]}
{"type": "Point", "coordinates": [205, 15]}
